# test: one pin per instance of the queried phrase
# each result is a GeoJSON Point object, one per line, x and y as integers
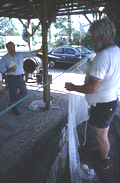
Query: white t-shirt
{"type": "Point", "coordinates": [106, 67]}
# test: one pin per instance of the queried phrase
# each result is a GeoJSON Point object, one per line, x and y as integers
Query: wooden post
{"type": "Point", "coordinates": [45, 54]}
{"type": "Point", "coordinates": [30, 34]}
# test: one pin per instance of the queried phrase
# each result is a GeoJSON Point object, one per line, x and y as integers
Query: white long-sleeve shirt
{"type": "Point", "coordinates": [18, 58]}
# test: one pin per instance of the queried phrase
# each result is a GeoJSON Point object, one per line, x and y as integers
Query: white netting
{"type": "Point", "coordinates": [77, 114]}
{"type": "Point", "coordinates": [69, 143]}
{"type": "Point", "coordinates": [59, 165]}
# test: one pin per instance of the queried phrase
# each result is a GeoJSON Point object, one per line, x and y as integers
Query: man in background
{"type": "Point", "coordinates": [12, 64]}
{"type": "Point", "coordinates": [102, 85]}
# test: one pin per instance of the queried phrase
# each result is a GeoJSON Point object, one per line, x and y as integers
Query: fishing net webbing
{"type": "Point", "coordinates": [69, 142]}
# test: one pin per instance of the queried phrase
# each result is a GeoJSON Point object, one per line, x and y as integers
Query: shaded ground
{"type": "Point", "coordinates": [29, 143]}
{"type": "Point", "coordinates": [20, 135]}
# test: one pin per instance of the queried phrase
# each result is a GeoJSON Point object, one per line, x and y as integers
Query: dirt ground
{"type": "Point", "coordinates": [19, 133]}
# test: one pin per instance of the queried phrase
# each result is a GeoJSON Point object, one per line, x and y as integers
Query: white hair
{"type": "Point", "coordinates": [103, 27]}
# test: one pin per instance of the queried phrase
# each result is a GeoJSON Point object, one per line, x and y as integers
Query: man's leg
{"type": "Point", "coordinates": [12, 87]}
{"type": "Point", "coordinates": [102, 136]}
{"type": "Point", "coordinates": [23, 91]}
{"type": "Point", "coordinates": [13, 84]}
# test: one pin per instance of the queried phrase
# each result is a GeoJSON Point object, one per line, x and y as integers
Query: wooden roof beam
{"type": "Point", "coordinates": [33, 9]}
{"type": "Point", "coordinates": [55, 13]}
{"type": "Point", "coordinates": [87, 18]}
{"type": "Point", "coordinates": [87, 4]}
{"type": "Point", "coordinates": [26, 27]}
{"type": "Point", "coordinates": [36, 28]}
{"type": "Point", "coordinates": [75, 13]}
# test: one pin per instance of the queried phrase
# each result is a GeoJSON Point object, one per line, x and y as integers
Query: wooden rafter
{"type": "Point", "coordinates": [87, 4]}
{"type": "Point", "coordinates": [55, 13]}
{"type": "Point", "coordinates": [87, 18]}
{"type": "Point", "coordinates": [26, 27]}
{"type": "Point", "coordinates": [33, 9]}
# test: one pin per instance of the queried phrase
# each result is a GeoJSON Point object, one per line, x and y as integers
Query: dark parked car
{"type": "Point", "coordinates": [67, 55]}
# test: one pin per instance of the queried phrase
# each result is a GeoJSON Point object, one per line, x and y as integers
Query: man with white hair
{"type": "Point", "coordinates": [102, 85]}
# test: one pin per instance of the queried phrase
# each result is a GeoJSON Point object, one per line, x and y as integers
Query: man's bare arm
{"type": "Point", "coordinates": [38, 51]}
{"type": "Point", "coordinates": [90, 87]}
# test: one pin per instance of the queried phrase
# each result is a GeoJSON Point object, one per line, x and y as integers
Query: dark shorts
{"type": "Point", "coordinates": [102, 114]}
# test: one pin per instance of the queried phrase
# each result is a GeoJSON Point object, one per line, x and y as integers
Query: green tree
{"type": "Point", "coordinates": [76, 37]}
{"type": "Point", "coordinates": [2, 43]}
{"type": "Point", "coordinates": [65, 30]}
{"type": "Point", "coordinates": [7, 28]}
{"type": "Point", "coordinates": [86, 40]}
{"type": "Point", "coordinates": [25, 34]}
